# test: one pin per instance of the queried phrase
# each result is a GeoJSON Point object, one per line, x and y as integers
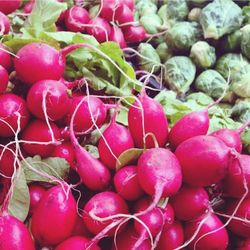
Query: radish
{"type": "Point", "coordinates": [127, 184]}
{"type": "Point", "coordinates": [238, 172]}
{"type": "Point", "coordinates": [4, 188]}
{"type": "Point", "coordinates": [159, 173]}
{"type": "Point", "coordinates": [39, 139]}
{"type": "Point", "coordinates": [48, 99]}
{"type": "Point", "coordinates": [7, 161]}
{"type": "Point", "coordinates": [212, 234]}
{"type": "Point", "coordinates": [8, 7]}
{"type": "Point", "coordinates": [28, 7]}
{"type": "Point", "coordinates": [171, 238]}
{"type": "Point", "coordinates": [14, 235]}
{"type": "Point", "coordinates": [204, 160]}
{"type": "Point", "coordinates": [5, 57]}
{"type": "Point", "coordinates": [80, 228]}
{"type": "Point", "coordinates": [99, 28]}
{"type": "Point", "coordinates": [13, 112]}
{"type": "Point", "coordinates": [54, 218]}
{"type": "Point", "coordinates": [123, 14]}
{"type": "Point", "coordinates": [143, 116]}
{"type": "Point", "coordinates": [75, 18]}
{"type": "Point", "coordinates": [129, 3]}
{"type": "Point", "coordinates": [108, 7]}
{"type": "Point", "coordinates": [243, 244]}
{"type": "Point", "coordinates": [102, 205]}
{"type": "Point", "coordinates": [76, 243]}
{"type": "Point", "coordinates": [116, 35]}
{"type": "Point", "coordinates": [134, 34]}
{"type": "Point", "coordinates": [197, 200]}
{"type": "Point", "coordinates": [168, 213]}
{"type": "Point", "coordinates": [115, 140]}
{"type": "Point", "coordinates": [36, 192]}
{"type": "Point", "coordinates": [4, 79]}
{"type": "Point", "coordinates": [241, 224]}
{"type": "Point", "coordinates": [4, 24]}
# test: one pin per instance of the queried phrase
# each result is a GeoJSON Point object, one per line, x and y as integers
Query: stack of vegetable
{"type": "Point", "coordinates": [95, 152]}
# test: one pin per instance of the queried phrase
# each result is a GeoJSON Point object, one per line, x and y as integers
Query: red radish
{"type": "Point", "coordinates": [190, 125]}
{"type": "Point", "coordinates": [168, 213]}
{"type": "Point", "coordinates": [212, 234]}
{"type": "Point", "coordinates": [240, 226]}
{"type": "Point", "coordinates": [238, 172]}
{"type": "Point", "coordinates": [36, 193]}
{"type": "Point", "coordinates": [54, 218]}
{"type": "Point", "coordinates": [13, 110]}
{"type": "Point", "coordinates": [48, 98]}
{"type": "Point", "coordinates": [7, 161]}
{"type": "Point", "coordinates": [65, 151]}
{"type": "Point", "coordinates": [99, 28]}
{"type": "Point", "coordinates": [28, 7]}
{"type": "Point", "coordinates": [129, 3]}
{"type": "Point", "coordinates": [5, 57]}
{"type": "Point", "coordinates": [115, 140]}
{"type": "Point", "coordinates": [76, 243]}
{"type": "Point", "coordinates": [143, 116]}
{"type": "Point", "coordinates": [171, 238]}
{"type": "Point", "coordinates": [197, 200]}
{"type": "Point", "coordinates": [40, 138]}
{"type": "Point", "coordinates": [14, 235]}
{"type": "Point", "coordinates": [159, 173]}
{"type": "Point", "coordinates": [4, 79]}
{"type": "Point", "coordinates": [102, 205]}
{"type": "Point", "coordinates": [8, 7]}
{"type": "Point", "coordinates": [134, 34]}
{"type": "Point", "coordinates": [80, 228]}
{"type": "Point", "coordinates": [75, 18]}
{"type": "Point", "coordinates": [108, 7]}
{"type": "Point", "coordinates": [123, 14]}
{"type": "Point", "coordinates": [116, 35]}
{"type": "Point", "coordinates": [4, 24]}
{"type": "Point", "coordinates": [243, 244]}
{"type": "Point", "coordinates": [127, 184]}
{"type": "Point", "coordinates": [204, 160]}
{"type": "Point", "coordinates": [90, 106]}
{"type": "Point", "coordinates": [4, 188]}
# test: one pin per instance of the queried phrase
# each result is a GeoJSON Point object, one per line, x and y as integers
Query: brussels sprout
{"type": "Point", "coordinates": [200, 98]}
{"type": "Point", "coordinates": [145, 7]}
{"type": "Point", "coordinates": [151, 23]}
{"type": "Point", "coordinates": [180, 73]}
{"type": "Point", "coordinates": [230, 62]}
{"type": "Point", "coordinates": [232, 41]}
{"type": "Point", "coordinates": [152, 64]}
{"type": "Point", "coordinates": [241, 110]}
{"type": "Point", "coordinates": [203, 54]}
{"type": "Point", "coordinates": [194, 15]}
{"type": "Point", "coordinates": [211, 83]}
{"type": "Point", "coordinates": [245, 44]}
{"type": "Point", "coordinates": [246, 14]}
{"type": "Point", "coordinates": [183, 35]}
{"type": "Point", "coordinates": [164, 52]}
{"type": "Point", "coordinates": [220, 17]}
{"type": "Point", "coordinates": [199, 3]}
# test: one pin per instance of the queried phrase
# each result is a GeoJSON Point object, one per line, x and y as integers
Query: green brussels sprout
{"type": "Point", "coordinates": [232, 41]}
{"type": "Point", "coordinates": [198, 3]}
{"type": "Point", "coordinates": [164, 52]}
{"type": "Point", "coordinates": [220, 17]}
{"type": "Point", "coordinates": [146, 7]}
{"type": "Point", "coordinates": [183, 35]}
{"type": "Point", "coordinates": [245, 138]}
{"type": "Point", "coordinates": [194, 15]}
{"type": "Point", "coordinates": [241, 110]}
{"type": "Point", "coordinates": [230, 63]}
{"type": "Point", "coordinates": [246, 14]}
{"type": "Point", "coordinates": [149, 59]}
{"type": "Point", "coordinates": [203, 54]}
{"type": "Point", "coordinates": [151, 23]}
{"type": "Point", "coordinates": [179, 74]}
{"type": "Point", "coordinates": [211, 83]}
{"type": "Point", "coordinates": [245, 44]}
{"type": "Point", "coordinates": [200, 98]}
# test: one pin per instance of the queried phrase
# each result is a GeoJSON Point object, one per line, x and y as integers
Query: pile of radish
{"type": "Point", "coordinates": [146, 185]}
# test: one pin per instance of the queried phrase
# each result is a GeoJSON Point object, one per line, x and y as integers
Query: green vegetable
{"type": "Point", "coordinates": [164, 52]}
{"type": "Point", "coordinates": [203, 54]}
{"type": "Point", "coordinates": [151, 22]}
{"type": "Point", "coordinates": [220, 17]}
{"type": "Point", "coordinates": [194, 15]}
{"type": "Point", "coordinates": [211, 83]}
{"type": "Point", "coordinates": [241, 110]}
{"type": "Point", "coordinates": [146, 7]}
{"type": "Point", "coordinates": [246, 14]}
{"type": "Point", "coordinates": [245, 44]}
{"type": "Point", "coordinates": [198, 3]}
{"type": "Point", "coordinates": [232, 41]}
{"type": "Point", "coordinates": [179, 74]}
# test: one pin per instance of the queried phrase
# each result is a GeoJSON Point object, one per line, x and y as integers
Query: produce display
{"type": "Point", "coordinates": [124, 125]}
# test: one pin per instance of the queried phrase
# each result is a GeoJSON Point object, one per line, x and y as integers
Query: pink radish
{"type": "Point", "coordinates": [243, 244]}
{"type": "Point", "coordinates": [28, 7]}
{"type": "Point", "coordinates": [143, 116]}
{"type": "Point", "coordinates": [75, 18]}
{"type": "Point", "coordinates": [48, 98]}
{"type": "Point", "coordinates": [134, 34]}
{"type": "Point", "coordinates": [168, 213]}
{"type": "Point", "coordinates": [108, 7]}
{"type": "Point", "coordinates": [212, 234]}
{"type": "Point", "coordinates": [129, 3]}
{"type": "Point", "coordinates": [123, 14]}
{"type": "Point", "coordinates": [127, 184]}
{"type": "Point", "coordinates": [8, 7]}
{"type": "Point", "coordinates": [39, 138]}
{"type": "Point", "coordinates": [4, 24]}
{"type": "Point", "coordinates": [116, 35]}
{"type": "Point", "coordinates": [197, 200]}
{"type": "Point", "coordinates": [172, 237]}
{"type": "Point", "coordinates": [14, 235]}
{"type": "Point", "coordinates": [115, 140]}
{"type": "Point", "coordinates": [5, 57]}
{"type": "Point", "coordinates": [13, 111]}
{"type": "Point", "coordinates": [54, 218]}
{"type": "Point", "coordinates": [204, 160]}
{"type": "Point", "coordinates": [7, 161]}
{"type": "Point", "coordinates": [80, 228]}
{"type": "Point", "coordinates": [4, 79]}
{"type": "Point", "coordinates": [102, 205]}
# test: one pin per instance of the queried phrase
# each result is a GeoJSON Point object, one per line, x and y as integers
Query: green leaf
{"type": "Point", "coordinates": [93, 150]}
{"type": "Point", "coordinates": [128, 157]}
{"type": "Point", "coordinates": [20, 200]}
{"type": "Point", "coordinates": [122, 117]}
{"type": "Point", "coordinates": [49, 167]}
